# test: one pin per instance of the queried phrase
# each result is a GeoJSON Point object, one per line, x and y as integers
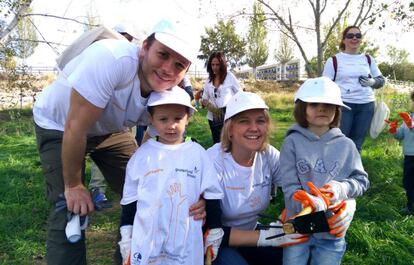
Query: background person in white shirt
{"type": "Point", "coordinates": [357, 75]}
{"type": "Point", "coordinates": [218, 89]}
{"type": "Point", "coordinates": [164, 178]}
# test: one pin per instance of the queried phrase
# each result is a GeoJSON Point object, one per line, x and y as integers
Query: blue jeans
{"type": "Point", "coordinates": [320, 251]}
{"type": "Point", "coordinates": [355, 123]}
{"type": "Point", "coordinates": [249, 256]}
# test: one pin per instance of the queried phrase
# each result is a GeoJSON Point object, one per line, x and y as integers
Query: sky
{"type": "Point", "coordinates": [141, 15]}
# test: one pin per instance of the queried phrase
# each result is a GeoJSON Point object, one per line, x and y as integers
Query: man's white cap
{"type": "Point", "coordinates": [124, 28]}
{"type": "Point", "coordinates": [175, 95]}
{"type": "Point", "coordinates": [320, 90]}
{"type": "Point", "coordinates": [176, 36]}
{"type": "Point", "coordinates": [243, 101]}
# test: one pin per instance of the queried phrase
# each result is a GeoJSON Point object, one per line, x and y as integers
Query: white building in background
{"type": "Point", "coordinates": [293, 70]}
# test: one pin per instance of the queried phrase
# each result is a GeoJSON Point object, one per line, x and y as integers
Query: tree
{"type": "Point", "coordinates": [366, 11]}
{"type": "Point", "coordinates": [24, 39]}
{"type": "Point", "coordinates": [284, 53]}
{"type": "Point", "coordinates": [257, 48]}
{"type": "Point", "coordinates": [223, 37]}
{"type": "Point", "coordinates": [396, 57]}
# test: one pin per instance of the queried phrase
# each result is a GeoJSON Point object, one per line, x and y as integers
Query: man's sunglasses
{"type": "Point", "coordinates": [352, 35]}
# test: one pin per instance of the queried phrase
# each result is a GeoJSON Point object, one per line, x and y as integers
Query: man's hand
{"type": "Point", "coordinates": [281, 241]}
{"type": "Point", "coordinates": [198, 210]}
{"type": "Point", "coordinates": [79, 200]}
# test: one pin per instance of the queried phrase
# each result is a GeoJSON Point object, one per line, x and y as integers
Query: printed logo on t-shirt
{"type": "Point", "coordinates": [153, 171]}
{"type": "Point", "coordinates": [190, 173]}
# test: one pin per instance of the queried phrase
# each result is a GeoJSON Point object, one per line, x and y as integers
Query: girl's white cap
{"type": "Point", "coordinates": [320, 90]}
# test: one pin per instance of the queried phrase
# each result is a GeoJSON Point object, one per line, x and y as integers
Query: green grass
{"type": "Point", "coordinates": [378, 235]}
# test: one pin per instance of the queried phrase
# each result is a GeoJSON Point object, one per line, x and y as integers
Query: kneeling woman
{"type": "Point", "coordinates": [248, 166]}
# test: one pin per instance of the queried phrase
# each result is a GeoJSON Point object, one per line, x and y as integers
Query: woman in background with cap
{"type": "Point", "coordinates": [248, 167]}
{"type": "Point", "coordinates": [357, 75]}
{"type": "Point", "coordinates": [320, 169]}
{"type": "Point", "coordinates": [218, 89]}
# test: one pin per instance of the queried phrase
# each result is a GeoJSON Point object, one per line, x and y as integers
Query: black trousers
{"type": "Point", "coordinates": [408, 178]}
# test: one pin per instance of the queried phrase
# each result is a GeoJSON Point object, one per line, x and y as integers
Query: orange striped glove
{"type": "Point", "coordinates": [344, 213]}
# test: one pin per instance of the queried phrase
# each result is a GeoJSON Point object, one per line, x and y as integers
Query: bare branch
{"type": "Point", "coordinates": [63, 18]}
{"type": "Point", "coordinates": [336, 21]}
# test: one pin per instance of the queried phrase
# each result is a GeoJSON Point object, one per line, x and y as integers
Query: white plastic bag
{"type": "Point", "coordinates": [381, 113]}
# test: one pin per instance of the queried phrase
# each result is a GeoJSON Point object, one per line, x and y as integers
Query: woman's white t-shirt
{"type": "Point", "coordinates": [350, 68]}
{"type": "Point", "coordinates": [247, 190]}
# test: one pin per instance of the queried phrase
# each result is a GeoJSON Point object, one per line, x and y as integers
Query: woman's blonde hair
{"type": "Point", "coordinates": [226, 143]}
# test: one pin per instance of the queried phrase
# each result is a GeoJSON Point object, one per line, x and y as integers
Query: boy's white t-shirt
{"type": "Point", "coordinates": [350, 68]}
{"type": "Point", "coordinates": [247, 190]}
{"type": "Point", "coordinates": [166, 180]}
{"type": "Point", "coordinates": [224, 93]}
{"type": "Point", "coordinates": [105, 74]}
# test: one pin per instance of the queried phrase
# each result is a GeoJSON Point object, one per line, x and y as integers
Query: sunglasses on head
{"type": "Point", "coordinates": [352, 35]}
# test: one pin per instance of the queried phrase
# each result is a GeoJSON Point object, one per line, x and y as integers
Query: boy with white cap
{"type": "Point", "coordinates": [89, 108]}
{"type": "Point", "coordinates": [316, 151]}
{"type": "Point", "coordinates": [163, 178]}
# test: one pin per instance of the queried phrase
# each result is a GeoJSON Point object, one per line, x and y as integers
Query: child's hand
{"type": "Point", "coordinates": [125, 243]}
{"type": "Point", "coordinates": [316, 203]}
{"type": "Point", "coordinates": [407, 119]}
{"type": "Point", "coordinates": [212, 241]}
{"type": "Point", "coordinates": [344, 213]}
{"type": "Point", "coordinates": [393, 125]}
{"type": "Point", "coordinates": [335, 190]}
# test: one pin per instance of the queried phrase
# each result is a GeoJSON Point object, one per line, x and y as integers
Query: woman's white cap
{"type": "Point", "coordinates": [243, 101]}
{"type": "Point", "coordinates": [175, 95]}
{"type": "Point", "coordinates": [176, 36]}
{"type": "Point", "coordinates": [320, 90]}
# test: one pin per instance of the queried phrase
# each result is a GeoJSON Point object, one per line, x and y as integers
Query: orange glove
{"type": "Point", "coordinates": [407, 119]}
{"type": "Point", "coordinates": [393, 126]}
{"type": "Point", "coordinates": [344, 213]}
{"type": "Point", "coordinates": [316, 200]}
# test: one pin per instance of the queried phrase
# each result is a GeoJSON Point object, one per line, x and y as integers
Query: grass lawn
{"type": "Point", "coordinates": [379, 234]}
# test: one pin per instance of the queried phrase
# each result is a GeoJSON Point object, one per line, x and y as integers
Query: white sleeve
{"type": "Point", "coordinates": [328, 69]}
{"type": "Point", "coordinates": [375, 71]}
{"type": "Point", "coordinates": [234, 82]}
{"type": "Point", "coordinates": [97, 74]}
{"type": "Point", "coordinates": [273, 157]}
{"type": "Point", "coordinates": [210, 185]}
{"type": "Point", "coordinates": [130, 192]}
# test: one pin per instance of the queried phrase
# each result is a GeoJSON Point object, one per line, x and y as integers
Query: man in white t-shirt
{"type": "Point", "coordinates": [97, 96]}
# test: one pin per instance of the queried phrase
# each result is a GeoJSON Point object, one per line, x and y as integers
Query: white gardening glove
{"type": "Point", "coordinates": [366, 81]}
{"type": "Point", "coordinates": [337, 191]}
{"type": "Point", "coordinates": [282, 241]}
{"type": "Point", "coordinates": [125, 243]}
{"type": "Point", "coordinates": [344, 213]}
{"type": "Point", "coordinates": [213, 238]}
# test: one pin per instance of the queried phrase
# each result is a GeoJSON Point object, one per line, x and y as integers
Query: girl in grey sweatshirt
{"type": "Point", "coordinates": [316, 150]}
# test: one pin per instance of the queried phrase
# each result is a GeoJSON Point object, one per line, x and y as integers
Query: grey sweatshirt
{"type": "Point", "coordinates": [307, 157]}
